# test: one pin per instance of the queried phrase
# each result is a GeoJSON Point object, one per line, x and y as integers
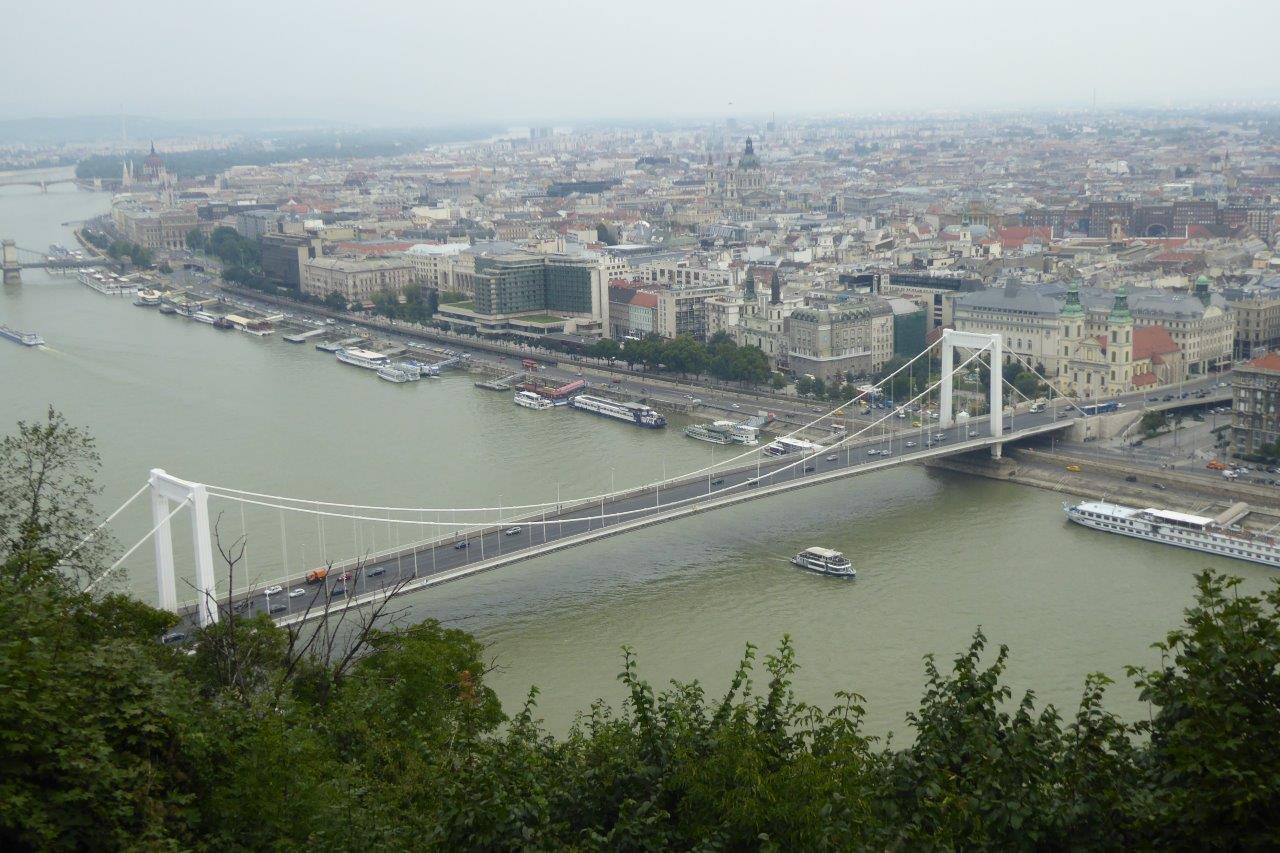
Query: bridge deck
{"type": "Point", "coordinates": [443, 559]}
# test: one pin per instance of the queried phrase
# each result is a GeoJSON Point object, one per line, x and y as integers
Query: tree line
{"type": "Point", "coordinates": [120, 249]}
{"type": "Point", "coordinates": [377, 735]}
{"type": "Point", "coordinates": [719, 357]}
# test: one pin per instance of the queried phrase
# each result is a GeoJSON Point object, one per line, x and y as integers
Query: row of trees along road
{"type": "Point", "coordinates": [720, 357]}
{"type": "Point", "coordinates": [372, 735]}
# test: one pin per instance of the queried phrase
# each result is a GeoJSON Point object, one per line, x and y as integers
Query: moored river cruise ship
{"type": "Point", "coordinates": [1196, 532]}
{"type": "Point", "coordinates": [636, 413]}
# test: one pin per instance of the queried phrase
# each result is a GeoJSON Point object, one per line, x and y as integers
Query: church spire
{"type": "Point", "coordinates": [1120, 308]}
{"type": "Point", "coordinates": [1073, 308]}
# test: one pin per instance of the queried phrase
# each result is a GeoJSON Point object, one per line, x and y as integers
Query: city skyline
{"type": "Point", "coordinates": [396, 64]}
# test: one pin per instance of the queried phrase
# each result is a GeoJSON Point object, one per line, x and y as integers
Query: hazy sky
{"type": "Point", "coordinates": [419, 61]}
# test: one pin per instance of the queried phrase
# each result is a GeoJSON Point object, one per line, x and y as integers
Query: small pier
{"type": "Point", "coordinates": [504, 384]}
{"type": "Point", "coordinates": [334, 346]}
{"type": "Point", "coordinates": [303, 337]}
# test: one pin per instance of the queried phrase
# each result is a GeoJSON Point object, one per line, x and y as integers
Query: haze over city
{"type": "Point", "coordinates": [653, 426]}
{"type": "Point", "coordinates": [410, 63]}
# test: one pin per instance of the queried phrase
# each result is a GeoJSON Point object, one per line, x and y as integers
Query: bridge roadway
{"type": "Point", "coordinates": [446, 558]}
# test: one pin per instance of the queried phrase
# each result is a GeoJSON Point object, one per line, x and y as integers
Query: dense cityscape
{"type": "Point", "coordinates": [776, 452]}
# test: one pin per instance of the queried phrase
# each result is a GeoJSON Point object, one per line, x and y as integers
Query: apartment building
{"type": "Point", "coordinates": [831, 341]}
{"type": "Point", "coordinates": [1255, 410]}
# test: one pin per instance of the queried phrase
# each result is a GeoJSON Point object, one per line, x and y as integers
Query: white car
{"type": "Point", "coordinates": [973, 433]}
{"type": "Point", "coordinates": [1119, 405]}
{"type": "Point", "coordinates": [832, 458]}
{"type": "Point", "coordinates": [911, 444]}
{"type": "Point", "coordinates": [735, 405]}
{"type": "Point", "coordinates": [512, 531]}
{"type": "Point", "coordinates": [273, 590]}
{"type": "Point", "coordinates": [295, 593]}
{"type": "Point", "coordinates": [872, 451]}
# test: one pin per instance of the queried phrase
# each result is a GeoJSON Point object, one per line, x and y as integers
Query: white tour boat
{"type": "Point", "coordinates": [710, 433]}
{"type": "Point", "coordinates": [368, 359]}
{"type": "Point", "coordinates": [824, 561]}
{"type": "Point", "coordinates": [530, 400]}
{"type": "Point", "coordinates": [395, 374]}
{"type": "Point", "coordinates": [636, 413]}
{"type": "Point", "coordinates": [785, 446]}
{"type": "Point", "coordinates": [1197, 532]}
{"type": "Point", "coordinates": [27, 339]}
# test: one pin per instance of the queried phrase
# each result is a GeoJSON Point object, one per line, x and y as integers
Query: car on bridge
{"type": "Point", "coordinates": [279, 608]}
{"type": "Point", "coordinates": [460, 545]}
{"type": "Point", "coordinates": [294, 593]}
{"type": "Point", "coordinates": [512, 531]}
{"type": "Point", "coordinates": [273, 590]}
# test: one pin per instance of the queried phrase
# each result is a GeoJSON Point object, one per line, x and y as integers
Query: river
{"type": "Point", "coordinates": [938, 554]}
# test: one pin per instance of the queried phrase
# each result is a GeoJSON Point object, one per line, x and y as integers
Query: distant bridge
{"type": "Point", "coordinates": [42, 183]}
{"type": "Point", "coordinates": [15, 259]}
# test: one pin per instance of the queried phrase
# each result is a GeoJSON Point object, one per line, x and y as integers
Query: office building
{"type": "Point", "coordinates": [284, 255]}
{"type": "Point", "coordinates": [356, 280]}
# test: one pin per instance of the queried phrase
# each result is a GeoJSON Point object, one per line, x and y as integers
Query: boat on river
{"type": "Point", "coordinates": [824, 561]}
{"type": "Point", "coordinates": [27, 339]}
{"type": "Point", "coordinates": [1183, 530]}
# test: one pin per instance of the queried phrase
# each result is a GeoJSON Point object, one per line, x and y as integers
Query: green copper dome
{"type": "Point", "coordinates": [1120, 308]}
{"type": "Point", "coordinates": [1073, 308]}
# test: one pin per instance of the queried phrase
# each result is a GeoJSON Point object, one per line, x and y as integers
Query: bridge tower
{"type": "Point", "coordinates": [12, 266]}
{"type": "Point", "coordinates": [972, 341]}
{"type": "Point", "coordinates": [165, 489]}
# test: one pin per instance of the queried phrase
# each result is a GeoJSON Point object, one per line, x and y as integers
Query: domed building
{"type": "Point", "coordinates": [153, 171]}
{"type": "Point", "coordinates": [735, 186]}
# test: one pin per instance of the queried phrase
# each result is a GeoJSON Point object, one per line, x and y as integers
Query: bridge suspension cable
{"type": "Point", "coordinates": [473, 525]}
{"type": "Point", "coordinates": [95, 531]}
{"type": "Point", "coordinates": [137, 545]}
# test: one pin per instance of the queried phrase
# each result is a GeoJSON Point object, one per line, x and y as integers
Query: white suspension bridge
{"type": "Point", "coordinates": [448, 543]}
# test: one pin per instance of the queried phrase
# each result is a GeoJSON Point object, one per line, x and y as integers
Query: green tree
{"type": "Point", "coordinates": [196, 241]}
{"type": "Point", "coordinates": [335, 301]}
{"type": "Point", "coordinates": [1213, 765]}
{"type": "Point", "coordinates": [605, 348]}
{"type": "Point", "coordinates": [1028, 384]}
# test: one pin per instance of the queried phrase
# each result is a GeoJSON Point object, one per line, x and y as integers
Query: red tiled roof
{"type": "Point", "coordinates": [1015, 236]}
{"type": "Point", "coordinates": [1152, 342]}
{"type": "Point", "coordinates": [1270, 361]}
{"type": "Point", "coordinates": [1141, 380]}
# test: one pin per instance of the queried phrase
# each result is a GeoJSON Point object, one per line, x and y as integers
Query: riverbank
{"type": "Point", "coordinates": [1100, 479]}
